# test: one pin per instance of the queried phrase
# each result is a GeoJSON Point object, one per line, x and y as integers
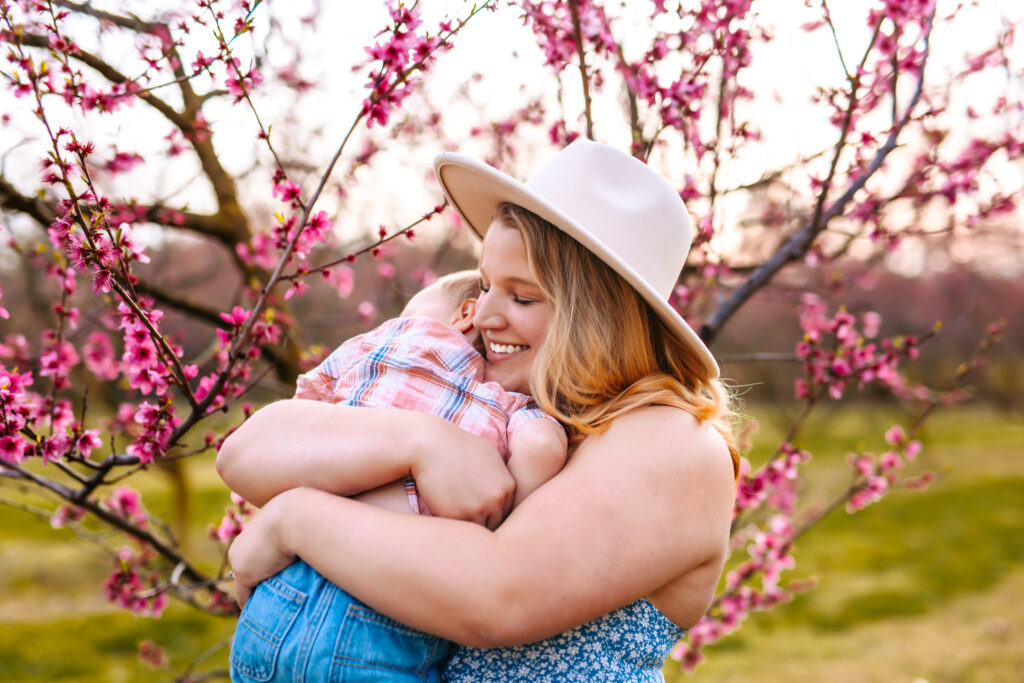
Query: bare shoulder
{"type": "Point", "coordinates": [669, 440]}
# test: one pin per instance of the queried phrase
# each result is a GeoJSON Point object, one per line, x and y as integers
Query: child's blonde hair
{"type": "Point", "coordinates": [605, 351]}
{"type": "Point", "coordinates": [460, 285]}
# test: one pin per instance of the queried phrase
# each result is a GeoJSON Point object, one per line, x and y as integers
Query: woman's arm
{"type": "Point", "coordinates": [635, 508]}
{"type": "Point", "coordinates": [346, 450]}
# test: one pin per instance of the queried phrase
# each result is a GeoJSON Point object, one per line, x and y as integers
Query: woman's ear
{"type": "Point", "coordinates": [462, 320]}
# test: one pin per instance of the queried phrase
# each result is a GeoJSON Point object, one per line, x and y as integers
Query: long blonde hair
{"type": "Point", "coordinates": [605, 351]}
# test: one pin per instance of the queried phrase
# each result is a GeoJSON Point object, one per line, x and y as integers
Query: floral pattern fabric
{"type": "Point", "coordinates": [628, 645]}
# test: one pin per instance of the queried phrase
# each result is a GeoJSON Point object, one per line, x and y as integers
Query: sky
{"type": "Point", "coordinates": [497, 45]}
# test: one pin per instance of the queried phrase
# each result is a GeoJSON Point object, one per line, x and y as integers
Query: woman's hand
{"type": "Point", "coordinates": [259, 551]}
{"type": "Point", "coordinates": [462, 476]}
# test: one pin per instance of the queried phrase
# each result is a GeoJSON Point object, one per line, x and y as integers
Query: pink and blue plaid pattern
{"type": "Point", "coordinates": [419, 364]}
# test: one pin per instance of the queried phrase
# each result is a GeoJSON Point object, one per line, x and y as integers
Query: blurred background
{"type": "Point", "coordinates": [920, 587]}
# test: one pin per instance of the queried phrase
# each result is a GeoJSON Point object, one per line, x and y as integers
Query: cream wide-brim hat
{"type": "Point", "coordinates": [613, 204]}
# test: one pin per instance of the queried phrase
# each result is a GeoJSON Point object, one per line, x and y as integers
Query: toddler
{"type": "Point", "coordinates": [300, 627]}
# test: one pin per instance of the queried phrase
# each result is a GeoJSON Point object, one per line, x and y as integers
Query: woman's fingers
{"type": "Point", "coordinates": [255, 554]}
{"type": "Point", "coordinates": [242, 592]}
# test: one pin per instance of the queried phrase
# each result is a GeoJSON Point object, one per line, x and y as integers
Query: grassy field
{"type": "Point", "coordinates": [922, 587]}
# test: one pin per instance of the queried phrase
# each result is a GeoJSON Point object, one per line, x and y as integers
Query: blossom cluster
{"type": "Point", "coordinates": [394, 59]}
{"type": "Point", "coordinates": [769, 552]}
{"type": "Point", "coordinates": [877, 474]}
{"type": "Point", "coordinates": [835, 351]}
{"type": "Point", "coordinates": [130, 585]}
{"type": "Point", "coordinates": [773, 484]}
{"type": "Point", "coordinates": [554, 27]}
{"type": "Point", "coordinates": [233, 522]}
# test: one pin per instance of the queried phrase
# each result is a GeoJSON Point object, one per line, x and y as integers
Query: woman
{"type": "Point", "coordinates": [609, 560]}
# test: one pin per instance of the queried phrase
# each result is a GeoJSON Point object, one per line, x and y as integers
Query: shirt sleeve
{"type": "Point", "coordinates": [314, 385]}
{"type": "Point", "coordinates": [524, 415]}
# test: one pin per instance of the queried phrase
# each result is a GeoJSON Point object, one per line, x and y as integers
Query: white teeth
{"type": "Point", "coordinates": [506, 348]}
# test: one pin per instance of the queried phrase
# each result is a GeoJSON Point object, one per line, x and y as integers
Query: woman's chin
{"type": "Point", "coordinates": [508, 373]}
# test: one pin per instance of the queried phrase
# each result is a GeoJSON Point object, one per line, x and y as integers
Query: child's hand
{"type": "Point", "coordinates": [538, 452]}
{"type": "Point", "coordinates": [464, 478]}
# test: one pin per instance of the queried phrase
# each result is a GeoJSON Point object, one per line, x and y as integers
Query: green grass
{"type": "Point", "coordinates": [104, 647]}
{"type": "Point", "coordinates": [906, 565]}
{"type": "Point", "coordinates": [55, 621]}
{"type": "Point", "coordinates": [920, 550]}
{"type": "Point", "coordinates": [937, 571]}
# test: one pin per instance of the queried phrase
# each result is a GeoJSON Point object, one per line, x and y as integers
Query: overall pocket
{"type": "Point", "coordinates": [262, 627]}
{"type": "Point", "coordinates": [374, 648]}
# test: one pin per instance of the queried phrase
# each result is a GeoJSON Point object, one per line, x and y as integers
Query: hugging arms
{"type": "Point", "coordinates": [634, 513]}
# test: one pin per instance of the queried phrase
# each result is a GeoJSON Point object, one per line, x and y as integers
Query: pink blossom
{"type": "Point", "coordinates": [66, 514]}
{"type": "Point", "coordinates": [98, 355]}
{"type": "Point", "coordinates": [912, 449]}
{"type": "Point", "coordinates": [125, 588]}
{"type": "Point", "coordinates": [122, 162]}
{"type": "Point", "coordinates": [57, 359]}
{"type": "Point", "coordinates": [895, 435]}
{"type": "Point", "coordinates": [132, 250]}
{"type": "Point", "coordinates": [890, 460]}
{"type": "Point", "coordinates": [126, 503]}
{"type": "Point", "coordinates": [237, 316]}
{"type": "Point", "coordinates": [286, 189]}
{"type": "Point", "coordinates": [318, 227]}
{"type": "Point", "coordinates": [233, 521]}
{"type": "Point", "coordinates": [298, 287]}
{"type": "Point", "coordinates": [200, 63]}
{"type": "Point", "coordinates": [342, 278]}
{"type": "Point", "coordinates": [367, 311]}
{"type": "Point", "coordinates": [89, 441]}
{"type": "Point", "coordinates": [239, 84]}
{"type": "Point", "coordinates": [13, 448]}
{"type": "Point", "coordinates": [153, 655]}
{"type": "Point", "coordinates": [872, 322]}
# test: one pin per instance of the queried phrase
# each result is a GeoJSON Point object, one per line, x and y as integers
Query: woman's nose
{"type": "Point", "coordinates": [488, 315]}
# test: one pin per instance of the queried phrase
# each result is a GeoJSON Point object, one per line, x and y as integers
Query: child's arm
{"type": "Point", "coordinates": [345, 450]}
{"type": "Point", "coordinates": [538, 450]}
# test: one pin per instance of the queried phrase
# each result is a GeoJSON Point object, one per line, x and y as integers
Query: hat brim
{"type": "Point", "coordinates": [475, 190]}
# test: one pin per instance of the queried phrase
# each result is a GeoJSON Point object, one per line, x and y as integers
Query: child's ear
{"type": "Point", "coordinates": [463, 318]}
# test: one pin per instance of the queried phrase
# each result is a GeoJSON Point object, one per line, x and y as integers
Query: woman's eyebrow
{"type": "Point", "coordinates": [521, 281]}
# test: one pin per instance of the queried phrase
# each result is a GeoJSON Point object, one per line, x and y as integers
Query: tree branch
{"type": "Point", "coordinates": [798, 243]}
{"type": "Point", "coordinates": [39, 209]}
{"type": "Point", "coordinates": [574, 8]}
{"type": "Point", "coordinates": [230, 216]}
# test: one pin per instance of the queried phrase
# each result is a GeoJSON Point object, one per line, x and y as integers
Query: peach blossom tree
{"type": "Point", "coordinates": [127, 130]}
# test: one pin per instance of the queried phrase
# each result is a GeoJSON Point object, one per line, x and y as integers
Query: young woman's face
{"type": "Point", "coordinates": [512, 311]}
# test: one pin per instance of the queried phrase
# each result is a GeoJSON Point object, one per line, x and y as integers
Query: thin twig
{"type": "Point", "coordinates": [574, 9]}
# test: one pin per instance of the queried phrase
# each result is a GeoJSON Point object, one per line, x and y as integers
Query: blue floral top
{"type": "Point", "coordinates": [629, 645]}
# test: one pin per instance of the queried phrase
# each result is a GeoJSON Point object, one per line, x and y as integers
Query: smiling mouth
{"type": "Point", "coordinates": [506, 348]}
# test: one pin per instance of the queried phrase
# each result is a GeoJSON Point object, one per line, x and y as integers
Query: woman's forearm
{"type": "Point", "coordinates": [339, 449]}
{"type": "Point", "coordinates": [455, 594]}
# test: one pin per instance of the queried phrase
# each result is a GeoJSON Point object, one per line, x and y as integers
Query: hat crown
{"type": "Point", "coordinates": [622, 204]}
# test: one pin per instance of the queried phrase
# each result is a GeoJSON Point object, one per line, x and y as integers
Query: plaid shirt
{"type": "Point", "coordinates": [420, 364]}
